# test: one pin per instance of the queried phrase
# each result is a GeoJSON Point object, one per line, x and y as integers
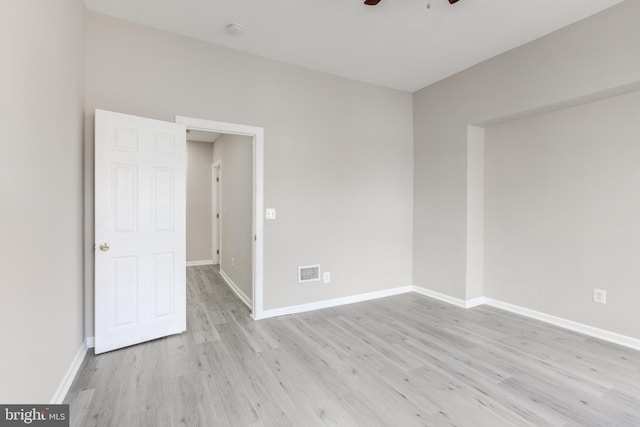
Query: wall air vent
{"type": "Point", "coordinates": [308, 273]}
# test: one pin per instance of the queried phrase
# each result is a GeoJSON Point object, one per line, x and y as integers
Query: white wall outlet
{"type": "Point", "coordinates": [271, 213]}
{"type": "Point", "coordinates": [326, 277]}
{"type": "Point", "coordinates": [600, 296]}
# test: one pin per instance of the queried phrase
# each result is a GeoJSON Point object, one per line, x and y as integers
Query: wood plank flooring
{"type": "Point", "coordinates": [400, 361]}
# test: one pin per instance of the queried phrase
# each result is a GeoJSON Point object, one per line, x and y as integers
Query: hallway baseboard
{"type": "Point", "coordinates": [245, 299]}
{"type": "Point", "coordinates": [196, 263]}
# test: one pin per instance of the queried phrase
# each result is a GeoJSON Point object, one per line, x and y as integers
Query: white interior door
{"type": "Point", "coordinates": [140, 205]}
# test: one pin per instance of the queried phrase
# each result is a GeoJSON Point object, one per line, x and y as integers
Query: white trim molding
{"type": "Point", "coordinates": [257, 133]}
{"type": "Point", "coordinates": [245, 299]}
{"type": "Point", "coordinates": [474, 302]}
{"type": "Point", "coordinates": [591, 331]}
{"type": "Point", "coordinates": [196, 263]}
{"type": "Point", "coordinates": [440, 297]}
{"type": "Point", "coordinates": [69, 376]}
{"type": "Point", "coordinates": [312, 306]}
{"type": "Point", "coordinates": [470, 303]}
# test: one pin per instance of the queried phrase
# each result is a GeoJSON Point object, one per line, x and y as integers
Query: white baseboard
{"type": "Point", "coordinates": [440, 297]}
{"type": "Point", "coordinates": [602, 334]}
{"type": "Point", "coordinates": [69, 376]}
{"type": "Point", "coordinates": [591, 331]}
{"type": "Point", "coordinates": [458, 302]}
{"type": "Point", "coordinates": [203, 262]}
{"type": "Point", "coordinates": [245, 299]}
{"type": "Point", "coordinates": [474, 302]}
{"type": "Point", "coordinates": [302, 308]}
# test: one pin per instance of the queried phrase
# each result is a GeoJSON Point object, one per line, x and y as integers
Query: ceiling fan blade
{"type": "Point", "coordinates": [375, 2]}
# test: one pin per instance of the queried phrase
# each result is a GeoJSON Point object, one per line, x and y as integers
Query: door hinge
{"type": "Point", "coordinates": [217, 215]}
{"type": "Point", "coordinates": [217, 179]}
{"type": "Point", "coordinates": [217, 251]}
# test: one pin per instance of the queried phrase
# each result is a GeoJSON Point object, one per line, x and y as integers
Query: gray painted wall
{"type": "Point", "coordinates": [598, 54]}
{"type": "Point", "coordinates": [585, 61]}
{"type": "Point", "coordinates": [339, 168]}
{"type": "Point", "coordinates": [42, 84]}
{"type": "Point", "coordinates": [339, 165]}
{"type": "Point", "coordinates": [235, 154]}
{"type": "Point", "coordinates": [199, 183]}
{"type": "Point", "coordinates": [338, 153]}
{"type": "Point", "coordinates": [562, 213]}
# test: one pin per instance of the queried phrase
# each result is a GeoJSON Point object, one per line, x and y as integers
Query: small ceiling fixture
{"type": "Point", "coordinates": [235, 29]}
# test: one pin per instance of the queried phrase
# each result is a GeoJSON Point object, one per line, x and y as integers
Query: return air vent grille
{"type": "Point", "coordinates": [308, 273]}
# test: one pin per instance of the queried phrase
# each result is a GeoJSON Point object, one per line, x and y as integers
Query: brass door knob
{"type": "Point", "coordinates": [104, 247]}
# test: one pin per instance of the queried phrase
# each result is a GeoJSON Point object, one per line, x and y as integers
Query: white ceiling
{"type": "Point", "coordinates": [398, 43]}
{"type": "Point", "coordinates": [202, 135]}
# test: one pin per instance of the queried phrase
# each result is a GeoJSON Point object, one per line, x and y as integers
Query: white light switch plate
{"type": "Point", "coordinates": [271, 213]}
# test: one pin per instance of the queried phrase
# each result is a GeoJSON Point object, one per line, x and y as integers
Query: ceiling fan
{"type": "Point", "coordinates": [375, 2]}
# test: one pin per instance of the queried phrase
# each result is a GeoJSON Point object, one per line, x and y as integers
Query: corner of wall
{"type": "Point", "coordinates": [475, 213]}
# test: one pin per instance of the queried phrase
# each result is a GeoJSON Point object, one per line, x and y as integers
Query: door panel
{"type": "Point", "coordinates": [125, 198]}
{"type": "Point", "coordinates": [163, 283]}
{"type": "Point", "coordinates": [164, 199]}
{"type": "Point", "coordinates": [140, 187]}
{"type": "Point", "coordinates": [127, 288]}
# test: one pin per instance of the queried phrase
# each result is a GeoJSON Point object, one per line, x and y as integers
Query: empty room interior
{"type": "Point", "coordinates": [396, 213]}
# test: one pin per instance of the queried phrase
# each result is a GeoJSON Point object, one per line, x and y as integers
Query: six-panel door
{"type": "Point", "coordinates": [140, 192]}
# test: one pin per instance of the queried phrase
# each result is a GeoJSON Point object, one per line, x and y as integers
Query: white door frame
{"type": "Point", "coordinates": [257, 133]}
{"type": "Point", "coordinates": [216, 218]}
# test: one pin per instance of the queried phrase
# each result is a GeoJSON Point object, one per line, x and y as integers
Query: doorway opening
{"type": "Point", "coordinates": [255, 135]}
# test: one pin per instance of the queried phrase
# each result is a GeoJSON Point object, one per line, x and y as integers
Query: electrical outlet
{"type": "Point", "coordinates": [600, 296]}
{"type": "Point", "coordinates": [326, 277]}
{"type": "Point", "coordinates": [271, 213]}
{"type": "Point", "coordinates": [233, 261]}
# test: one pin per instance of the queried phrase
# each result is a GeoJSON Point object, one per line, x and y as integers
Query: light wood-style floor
{"type": "Point", "coordinates": [400, 361]}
